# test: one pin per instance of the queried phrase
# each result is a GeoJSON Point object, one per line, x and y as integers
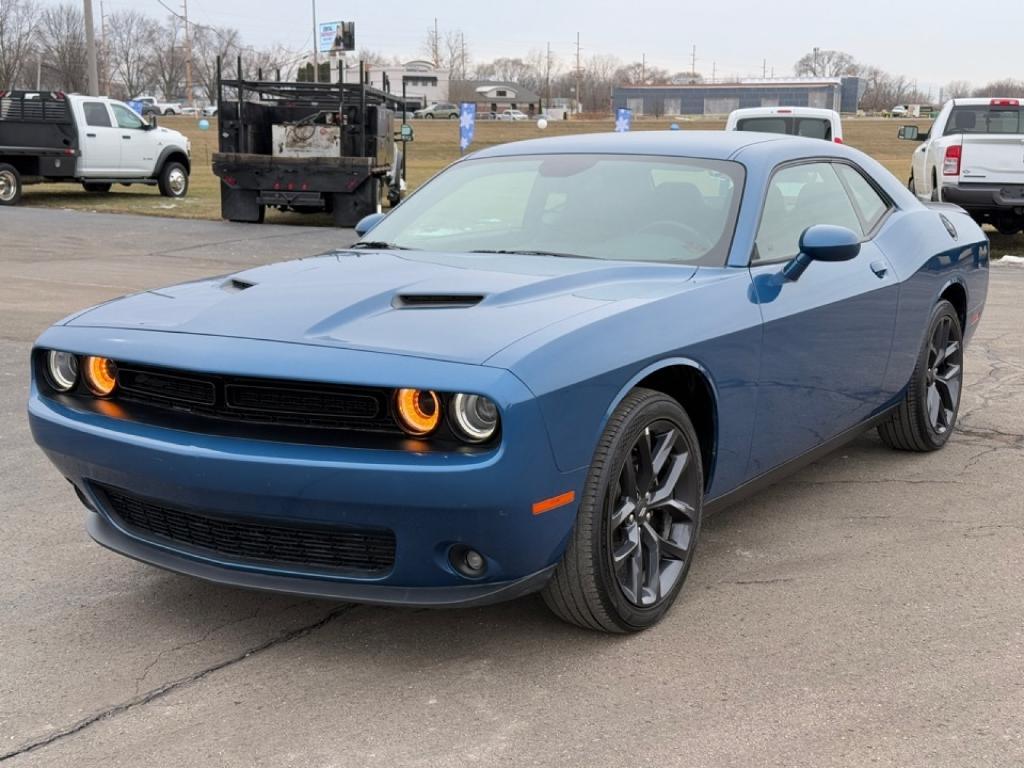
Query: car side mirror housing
{"type": "Point", "coordinates": [823, 242]}
{"type": "Point", "coordinates": [910, 133]}
{"type": "Point", "coordinates": [368, 222]}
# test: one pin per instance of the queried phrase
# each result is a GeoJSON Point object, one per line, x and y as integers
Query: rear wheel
{"type": "Point", "coordinates": [638, 521]}
{"type": "Point", "coordinates": [10, 185]}
{"type": "Point", "coordinates": [1009, 225]}
{"type": "Point", "coordinates": [911, 185]}
{"type": "Point", "coordinates": [936, 197]}
{"type": "Point", "coordinates": [173, 180]}
{"type": "Point", "coordinates": [90, 186]}
{"type": "Point", "coordinates": [927, 416]}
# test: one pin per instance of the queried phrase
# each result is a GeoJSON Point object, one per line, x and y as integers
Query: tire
{"type": "Point", "coordinates": [935, 196]}
{"type": "Point", "coordinates": [614, 525]}
{"type": "Point", "coordinates": [173, 180]}
{"type": "Point", "coordinates": [10, 185]}
{"type": "Point", "coordinates": [167, 112]}
{"type": "Point", "coordinates": [95, 187]}
{"type": "Point", "coordinates": [429, 116]}
{"type": "Point", "coordinates": [1008, 225]}
{"type": "Point", "coordinates": [927, 416]}
{"type": "Point", "coordinates": [453, 116]}
{"type": "Point", "coordinates": [912, 186]}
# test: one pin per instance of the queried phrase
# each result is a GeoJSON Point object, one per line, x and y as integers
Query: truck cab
{"type": "Point", "coordinates": [973, 156]}
{"type": "Point", "coordinates": [809, 122]}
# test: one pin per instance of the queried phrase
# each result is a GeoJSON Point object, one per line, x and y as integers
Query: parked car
{"type": "Point", "coordinates": [440, 110]}
{"type": "Point", "coordinates": [973, 156]}
{"type": "Point", "coordinates": [95, 141]}
{"type": "Point", "coordinates": [792, 121]}
{"type": "Point", "coordinates": [150, 105]}
{"type": "Point", "coordinates": [900, 110]}
{"type": "Point", "coordinates": [210, 110]}
{"type": "Point", "coordinates": [562, 355]}
{"type": "Point", "coordinates": [513, 114]}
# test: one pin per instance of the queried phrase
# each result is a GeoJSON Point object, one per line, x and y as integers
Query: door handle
{"type": "Point", "coordinates": [91, 135]}
{"type": "Point", "coordinates": [879, 267]}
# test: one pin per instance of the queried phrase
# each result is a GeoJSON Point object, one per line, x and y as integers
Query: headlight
{"type": "Point", "coordinates": [100, 375]}
{"type": "Point", "coordinates": [474, 417]}
{"type": "Point", "coordinates": [61, 370]}
{"type": "Point", "coordinates": [419, 411]}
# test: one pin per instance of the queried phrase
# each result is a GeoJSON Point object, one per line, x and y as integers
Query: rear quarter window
{"type": "Point", "coordinates": [96, 114]}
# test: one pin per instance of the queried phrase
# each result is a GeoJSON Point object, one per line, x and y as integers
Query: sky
{"type": "Point", "coordinates": [932, 42]}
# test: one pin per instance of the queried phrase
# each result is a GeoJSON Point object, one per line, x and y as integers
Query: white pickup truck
{"type": "Point", "coordinates": [151, 106]}
{"type": "Point", "coordinates": [973, 156]}
{"type": "Point", "coordinates": [91, 140]}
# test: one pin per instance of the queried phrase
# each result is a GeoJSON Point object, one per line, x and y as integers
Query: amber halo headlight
{"type": "Point", "coordinates": [474, 417]}
{"type": "Point", "coordinates": [61, 370]}
{"type": "Point", "coordinates": [418, 411]}
{"type": "Point", "coordinates": [100, 374]}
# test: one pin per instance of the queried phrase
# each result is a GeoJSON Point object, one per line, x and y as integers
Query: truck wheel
{"type": "Point", "coordinates": [453, 117]}
{"type": "Point", "coordinates": [173, 180]}
{"type": "Point", "coordinates": [911, 185]}
{"type": "Point", "coordinates": [95, 187]}
{"type": "Point", "coordinates": [429, 116]}
{"type": "Point", "coordinates": [1009, 225]}
{"type": "Point", "coordinates": [168, 112]}
{"type": "Point", "coordinates": [10, 185]}
{"type": "Point", "coordinates": [935, 196]}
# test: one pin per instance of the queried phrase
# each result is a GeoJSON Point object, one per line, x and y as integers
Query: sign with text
{"type": "Point", "coordinates": [337, 36]}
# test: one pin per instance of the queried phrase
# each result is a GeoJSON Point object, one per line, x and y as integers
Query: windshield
{"type": "Point", "coordinates": [630, 207]}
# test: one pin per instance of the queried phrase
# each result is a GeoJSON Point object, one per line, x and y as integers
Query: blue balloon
{"type": "Point", "coordinates": [204, 124]}
{"type": "Point", "coordinates": [674, 127]}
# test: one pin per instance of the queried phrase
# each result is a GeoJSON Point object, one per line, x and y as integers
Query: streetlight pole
{"type": "Point", "coordinates": [316, 47]}
{"type": "Point", "coordinates": [90, 51]}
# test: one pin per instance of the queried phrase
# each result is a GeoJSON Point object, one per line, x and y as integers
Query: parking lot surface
{"type": "Point", "coordinates": [867, 611]}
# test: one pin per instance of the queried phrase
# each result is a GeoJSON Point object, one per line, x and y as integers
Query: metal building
{"type": "Point", "coordinates": [839, 93]}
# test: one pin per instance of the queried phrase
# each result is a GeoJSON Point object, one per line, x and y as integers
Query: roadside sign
{"type": "Point", "coordinates": [337, 36]}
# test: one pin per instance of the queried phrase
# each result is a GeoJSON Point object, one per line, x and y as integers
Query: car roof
{"type": "Point", "coordinates": [784, 110]}
{"type": "Point", "coordinates": [983, 101]}
{"type": "Point", "coordinates": [712, 145]}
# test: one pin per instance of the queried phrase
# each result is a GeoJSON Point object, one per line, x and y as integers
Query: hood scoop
{"type": "Point", "coordinates": [436, 300]}
{"type": "Point", "coordinates": [234, 285]}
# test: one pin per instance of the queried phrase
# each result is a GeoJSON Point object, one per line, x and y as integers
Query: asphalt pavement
{"type": "Point", "coordinates": [867, 611]}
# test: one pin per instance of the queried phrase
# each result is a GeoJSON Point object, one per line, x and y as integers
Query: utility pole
{"type": "Point", "coordinates": [188, 57]}
{"type": "Point", "coordinates": [816, 73]}
{"type": "Point", "coordinates": [693, 61]}
{"type": "Point", "coordinates": [643, 69]}
{"type": "Point", "coordinates": [316, 47]}
{"type": "Point", "coordinates": [764, 68]}
{"type": "Point", "coordinates": [547, 78]}
{"type": "Point", "coordinates": [462, 51]}
{"type": "Point", "coordinates": [714, 71]}
{"type": "Point", "coordinates": [576, 93]}
{"type": "Point", "coordinates": [104, 72]}
{"type": "Point", "coordinates": [90, 51]}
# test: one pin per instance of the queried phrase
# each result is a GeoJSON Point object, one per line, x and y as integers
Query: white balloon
{"type": "Point", "coordinates": [542, 123]}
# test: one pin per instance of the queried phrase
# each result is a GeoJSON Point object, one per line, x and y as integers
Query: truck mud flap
{"type": "Point", "coordinates": [349, 207]}
{"type": "Point", "coordinates": [241, 205]}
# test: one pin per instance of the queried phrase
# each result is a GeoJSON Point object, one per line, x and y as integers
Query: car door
{"type": "Point", "coordinates": [828, 334]}
{"type": "Point", "coordinates": [138, 143]}
{"type": "Point", "coordinates": [101, 141]}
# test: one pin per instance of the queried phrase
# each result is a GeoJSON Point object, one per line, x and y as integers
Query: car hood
{"type": "Point", "coordinates": [457, 307]}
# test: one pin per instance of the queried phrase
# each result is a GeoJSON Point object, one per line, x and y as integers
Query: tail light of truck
{"type": "Point", "coordinates": [951, 162]}
{"type": "Point", "coordinates": [837, 140]}
{"type": "Point", "coordinates": [1005, 103]}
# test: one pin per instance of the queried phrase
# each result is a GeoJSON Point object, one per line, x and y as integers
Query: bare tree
{"type": "Point", "coordinates": [456, 55]}
{"type": "Point", "coordinates": [62, 46]}
{"type": "Point", "coordinates": [130, 38]}
{"type": "Point", "coordinates": [207, 44]}
{"type": "Point", "coordinates": [432, 47]}
{"type": "Point", "coordinates": [639, 73]}
{"type": "Point", "coordinates": [1008, 88]}
{"type": "Point", "coordinates": [825, 63]}
{"type": "Point", "coordinates": [957, 89]}
{"type": "Point", "coordinates": [683, 78]}
{"type": "Point", "coordinates": [18, 22]}
{"type": "Point", "coordinates": [168, 56]}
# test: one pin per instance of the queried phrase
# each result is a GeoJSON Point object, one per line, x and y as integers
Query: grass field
{"type": "Point", "coordinates": [435, 145]}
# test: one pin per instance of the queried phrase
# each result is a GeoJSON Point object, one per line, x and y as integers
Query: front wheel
{"type": "Point", "coordinates": [10, 185]}
{"type": "Point", "coordinates": [927, 416]}
{"type": "Point", "coordinates": [173, 180]}
{"type": "Point", "coordinates": [639, 518]}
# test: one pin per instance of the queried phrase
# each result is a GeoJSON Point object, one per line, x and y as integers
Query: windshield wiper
{"type": "Point", "coordinates": [530, 252]}
{"type": "Point", "coordinates": [380, 245]}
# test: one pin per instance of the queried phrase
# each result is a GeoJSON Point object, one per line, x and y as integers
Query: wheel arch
{"type": "Point", "coordinates": [955, 292]}
{"type": "Point", "coordinates": [171, 155]}
{"type": "Point", "coordinates": [691, 385]}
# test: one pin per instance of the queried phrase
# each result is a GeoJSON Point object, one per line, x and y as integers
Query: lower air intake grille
{"type": "Point", "coordinates": [363, 550]}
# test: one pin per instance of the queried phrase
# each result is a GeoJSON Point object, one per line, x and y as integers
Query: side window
{"type": "Point", "coordinates": [814, 128]}
{"type": "Point", "coordinates": [96, 114]}
{"type": "Point", "coordinates": [871, 205]}
{"type": "Point", "coordinates": [125, 117]}
{"type": "Point", "coordinates": [800, 196]}
{"type": "Point", "coordinates": [763, 124]}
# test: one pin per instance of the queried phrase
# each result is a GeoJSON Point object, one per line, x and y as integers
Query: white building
{"type": "Point", "coordinates": [423, 84]}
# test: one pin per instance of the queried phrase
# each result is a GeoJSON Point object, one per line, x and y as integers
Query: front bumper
{"type": "Point", "coordinates": [432, 501]}
{"type": "Point", "coordinates": [986, 197]}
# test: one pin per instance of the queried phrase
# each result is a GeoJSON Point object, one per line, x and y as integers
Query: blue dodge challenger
{"type": "Point", "coordinates": [538, 373]}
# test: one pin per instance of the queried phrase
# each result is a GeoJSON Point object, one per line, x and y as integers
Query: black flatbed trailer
{"type": "Point", "coordinates": [38, 141]}
{"type": "Point", "coordinates": [364, 174]}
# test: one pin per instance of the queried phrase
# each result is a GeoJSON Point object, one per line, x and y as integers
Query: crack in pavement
{"type": "Point", "coordinates": [174, 685]}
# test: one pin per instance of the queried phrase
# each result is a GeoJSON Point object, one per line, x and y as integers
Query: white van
{"type": "Point", "coordinates": [793, 121]}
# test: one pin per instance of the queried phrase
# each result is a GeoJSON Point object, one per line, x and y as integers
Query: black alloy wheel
{"type": "Point", "coordinates": [927, 416]}
{"type": "Point", "coordinates": [638, 521]}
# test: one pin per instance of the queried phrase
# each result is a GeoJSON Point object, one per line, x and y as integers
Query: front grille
{"type": "Point", "coordinates": [366, 551]}
{"type": "Point", "coordinates": [259, 401]}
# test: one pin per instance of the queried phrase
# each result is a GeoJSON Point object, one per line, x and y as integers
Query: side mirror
{"type": "Point", "coordinates": [823, 242]}
{"type": "Point", "coordinates": [368, 222]}
{"type": "Point", "coordinates": [909, 133]}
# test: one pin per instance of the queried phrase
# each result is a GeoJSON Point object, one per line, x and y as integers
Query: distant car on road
{"type": "Point", "coordinates": [810, 122]}
{"type": "Point", "coordinates": [973, 156]}
{"type": "Point", "coordinates": [210, 110]}
{"type": "Point", "coordinates": [538, 373]}
{"type": "Point", "coordinates": [513, 114]}
{"type": "Point", "coordinates": [441, 110]}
